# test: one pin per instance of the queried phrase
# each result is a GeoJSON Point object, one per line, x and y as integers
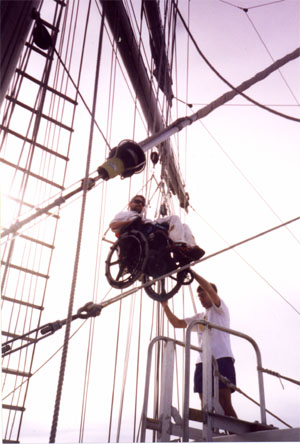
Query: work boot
{"type": "Point", "coordinates": [195, 253]}
{"type": "Point", "coordinates": [192, 253]}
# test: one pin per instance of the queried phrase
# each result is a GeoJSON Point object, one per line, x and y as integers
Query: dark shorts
{"type": "Point", "coordinates": [226, 368]}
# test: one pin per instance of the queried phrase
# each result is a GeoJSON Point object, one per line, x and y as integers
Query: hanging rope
{"type": "Point", "coordinates": [96, 286]}
{"type": "Point", "coordinates": [76, 264]}
{"type": "Point", "coordinates": [135, 434]}
{"type": "Point", "coordinates": [115, 372]}
{"type": "Point", "coordinates": [125, 367]}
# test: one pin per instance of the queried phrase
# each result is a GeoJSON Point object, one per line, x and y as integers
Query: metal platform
{"type": "Point", "coordinates": [215, 426]}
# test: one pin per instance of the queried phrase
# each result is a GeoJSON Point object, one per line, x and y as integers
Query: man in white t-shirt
{"type": "Point", "coordinates": [216, 313]}
{"type": "Point", "coordinates": [178, 232]}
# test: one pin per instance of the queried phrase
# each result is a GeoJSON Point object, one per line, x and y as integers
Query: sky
{"type": "Point", "coordinates": [240, 168]}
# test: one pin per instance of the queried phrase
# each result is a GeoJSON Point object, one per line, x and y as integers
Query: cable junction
{"type": "Point", "coordinates": [87, 311]}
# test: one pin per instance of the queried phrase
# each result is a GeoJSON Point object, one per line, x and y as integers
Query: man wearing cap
{"type": "Point", "coordinates": [216, 313]}
{"type": "Point", "coordinates": [178, 232]}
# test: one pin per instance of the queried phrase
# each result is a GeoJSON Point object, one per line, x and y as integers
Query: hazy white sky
{"type": "Point", "coordinates": [241, 169]}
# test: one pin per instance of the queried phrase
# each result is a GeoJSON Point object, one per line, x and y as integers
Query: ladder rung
{"type": "Point", "coordinates": [10, 371]}
{"type": "Point", "coordinates": [26, 204]}
{"type": "Point", "coordinates": [36, 241]}
{"type": "Point", "coordinates": [36, 176]}
{"type": "Point", "coordinates": [196, 415]}
{"type": "Point", "coordinates": [19, 301]}
{"type": "Point", "coordinates": [49, 88]}
{"type": "Point", "coordinates": [48, 25]}
{"type": "Point", "coordinates": [10, 441]}
{"type": "Point", "coordinates": [153, 424]}
{"type": "Point", "coordinates": [13, 407]}
{"type": "Point", "coordinates": [34, 111]}
{"type": "Point", "coordinates": [26, 139]}
{"type": "Point", "coordinates": [26, 270]}
{"type": "Point", "coordinates": [14, 336]}
{"type": "Point", "coordinates": [36, 49]}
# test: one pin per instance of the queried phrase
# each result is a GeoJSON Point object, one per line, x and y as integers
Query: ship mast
{"type": "Point", "coordinates": [122, 31]}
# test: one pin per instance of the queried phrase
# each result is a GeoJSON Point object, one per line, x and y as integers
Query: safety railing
{"type": "Point", "coordinates": [207, 377]}
{"type": "Point", "coordinates": [164, 426]}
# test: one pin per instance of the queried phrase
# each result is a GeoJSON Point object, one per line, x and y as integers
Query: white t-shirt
{"type": "Point", "coordinates": [220, 341]}
{"type": "Point", "coordinates": [128, 215]}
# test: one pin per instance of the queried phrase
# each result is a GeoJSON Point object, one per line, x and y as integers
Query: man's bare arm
{"type": "Point", "coordinates": [208, 288]}
{"type": "Point", "coordinates": [116, 226]}
{"type": "Point", "coordinates": [177, 323]}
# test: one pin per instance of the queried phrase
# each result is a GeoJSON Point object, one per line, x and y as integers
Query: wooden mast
{"type": "Point", "coordinates": [121, 29]}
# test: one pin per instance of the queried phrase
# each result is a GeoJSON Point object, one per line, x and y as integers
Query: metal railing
{"type": "Point", "coordinates": [165, 427]}
{"type": "Point", "coordinates": [207, 383]}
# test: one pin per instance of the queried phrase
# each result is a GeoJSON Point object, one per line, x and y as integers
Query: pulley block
{"type": "Point", "coordinates": [125, 160]}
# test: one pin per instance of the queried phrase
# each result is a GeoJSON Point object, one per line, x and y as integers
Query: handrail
{"type": "Point", "coordinates": [188, 346]}
{"type": "Point", "coordinates": [148, 371]}
{"type": "Point", "coordinates": [210, 325]}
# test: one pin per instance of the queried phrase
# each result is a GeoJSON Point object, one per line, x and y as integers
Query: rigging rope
{"type": "Point", "coordinates": [245, 85]}
{"type": "Point", "coordinates": [131, 291]}
{"type": "Point", "coordinates": [247, 180]}
{"type": "Point", "coordinates": [125, 367]}
{"type": "Point", "coordinates": [137, 369]}
{"type": "Point", "coordinates": [246, 262]}
{"type": "Point", "coordinates": [92, 324]}
{"type": "Point", "coordinates": [115, 373]}
{"type": "Point", "coordinates": [31, 256]}
{"type": "Point", "coordinates": [151, 282]}
{"type": "Point", "coordinates": [251, 7]}
{"type": "Point", "coordinates": [181, 123]}
{"type": "Point", "coordinates": [230, 385]}
{"type": "Point", "coordinates": [95, 123]}
{"type": "Point", "coordinates": [80, 95]}
{"type": "Point", "coordinates": [86, 184]}
{"type": "Point", "coordinates": [278, 375]}
{"type": "Point", "coordinates": [267, 49]}
{"type": "Point", "coordinates": [76, 263]}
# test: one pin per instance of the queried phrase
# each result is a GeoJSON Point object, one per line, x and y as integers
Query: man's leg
{"type": "Point", "coordinates": [200, 396]}
{"type": "Point", "coordinates": [176, 230]}
{"type": "Point", "coordinates": [188, 236]}
{"type": "Point", "coordinates": [225, 401]}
